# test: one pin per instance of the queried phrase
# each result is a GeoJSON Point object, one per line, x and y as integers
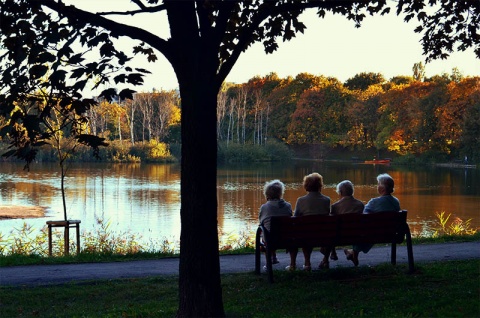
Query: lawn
{"type": "Point", "coordinates": [441, 289]}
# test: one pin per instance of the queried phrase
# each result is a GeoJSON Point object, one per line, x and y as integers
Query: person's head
{"type": "Point", "coordinates": [313, 182]}
{"type": "Point", "coordinates": [273, 190]}
{"type": "Point", "coordinates": [345, 188]}
{"type": "Point", "coordinates": [385, 183]}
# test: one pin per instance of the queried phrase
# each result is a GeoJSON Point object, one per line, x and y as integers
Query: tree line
{"type": "Point", "coordinates": [406, 115]}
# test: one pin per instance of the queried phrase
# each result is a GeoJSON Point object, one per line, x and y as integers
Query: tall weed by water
{"type": "Point", "coordinates": [22, 242]}
{"type": "Point", "coordinates": [105, 241]}
{"type": "Point", "coordinates": [102, 240]}
{"type": "Point", "coordinates": [456, 226]}
{"type": "Point", "coordinates": [236, 241]}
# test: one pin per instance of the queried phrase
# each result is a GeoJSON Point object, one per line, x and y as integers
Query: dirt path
{"type": "Point", "coordinates": [21, 212]}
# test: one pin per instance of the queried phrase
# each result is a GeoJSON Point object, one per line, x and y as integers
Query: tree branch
{"type": "Point", "coordinates": [245, 38]}
{"type": "Point", "coordinates": [116, 28]}
{"type": "Point", "coordinates": [158, 8]}
{"type": "Point", "coordinates": [139, 3]}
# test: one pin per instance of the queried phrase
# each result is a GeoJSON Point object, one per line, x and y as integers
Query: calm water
{"type": "Point", "coordinates": [145, 198]}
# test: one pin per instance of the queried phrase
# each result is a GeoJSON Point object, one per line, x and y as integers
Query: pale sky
{"type": "Point", "coordinates": [330, 47]}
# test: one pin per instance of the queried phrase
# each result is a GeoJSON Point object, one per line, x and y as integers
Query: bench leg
{"type": "Point", "coordinates": [393, 256]}
{"type": "Point", "coordinates": [67, 240]}
{"type": "Point", "coordinates": [78, 238]}
{"type": "Point", "coordinates": [50, 240]}
{"type": "Point", "coordinates": [257, 253]}
{"type": "Point", "coordinates": [411, 267]}
{"type": "Point", "coordinates": [268, 255]}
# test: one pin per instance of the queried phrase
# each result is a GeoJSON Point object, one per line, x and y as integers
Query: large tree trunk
{"type": "Point", "coordinates": [199, 285]}
{"type": "Point", "coordinates": [200, 292]}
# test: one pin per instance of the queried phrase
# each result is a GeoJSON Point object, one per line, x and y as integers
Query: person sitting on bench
{"type": "Point", "coordinates": [385, 202]}
{"type": "Point", "coordinates": [346, 204]}
{"type": "Point", "coordinates": [275, 206]}
{"type": "Point", "coordinates": [313, 203]}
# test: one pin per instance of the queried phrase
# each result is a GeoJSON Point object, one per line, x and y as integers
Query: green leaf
{"type": "Point", "coordinates": [142, 70]}
{"type": "Point", "coordinates": [108, 94]}
{"type": "Point", "coordinates": [121, 78]}
{"type": "Point", "coordinates": [45, 57]}
{"type": "Point", "coordinates": [126, 94]}
{"type": "Point", "coordinates": [37, 71]}
{"type": "Point", "coordinates": [76, 59]}
{"type": "Point", "coordinates": [77, 73]}
{"type": "Point", "coordinates": [135, 78]}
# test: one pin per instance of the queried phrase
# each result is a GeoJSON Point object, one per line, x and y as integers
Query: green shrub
{"type": "Point", "coordinates": [234, 152]}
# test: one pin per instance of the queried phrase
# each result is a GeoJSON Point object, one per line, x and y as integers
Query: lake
{"type": "Point", "coordinates": [145, 198]}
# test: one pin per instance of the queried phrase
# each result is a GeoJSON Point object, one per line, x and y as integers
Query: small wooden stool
{"type": "Point", "coordinates": [67, 225]}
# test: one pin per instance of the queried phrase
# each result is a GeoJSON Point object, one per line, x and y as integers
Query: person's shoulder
{"type": "Point", "coordinates": [303, 197]}
{"type": "Point", "coordinates": [374, 200]}
{"type": "Point", "coordinates": [324, 197]}
{"type": "Point", "coordinates": [358, 201]}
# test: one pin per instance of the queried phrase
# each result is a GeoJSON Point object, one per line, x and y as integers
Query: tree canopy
{"type": "Point", "coordinates": [59, 48]}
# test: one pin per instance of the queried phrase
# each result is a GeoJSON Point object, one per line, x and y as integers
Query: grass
{"type": "Point", "coordinates": [443, 289]}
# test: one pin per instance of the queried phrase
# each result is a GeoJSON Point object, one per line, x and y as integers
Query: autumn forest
{"type": "Point", "coordinates": [406, 115]}
{"type": "Point", "coordinates": [413, 117]}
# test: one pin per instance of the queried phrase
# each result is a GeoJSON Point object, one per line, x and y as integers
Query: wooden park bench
{"type": "Point", "coordinates": [333, 230]}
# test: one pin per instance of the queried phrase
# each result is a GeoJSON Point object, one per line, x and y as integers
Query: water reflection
{"type": "Point", "coordinates": [145, 198]}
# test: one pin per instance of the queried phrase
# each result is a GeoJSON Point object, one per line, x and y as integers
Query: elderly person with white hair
{"type": "Point", "coordinates": [346, 204]}
{"type": "Point", "coordinates": [275, 206]}
{"type": "Point", "coordinates": [385, 202]}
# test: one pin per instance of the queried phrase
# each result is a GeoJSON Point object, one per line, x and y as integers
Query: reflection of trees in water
{"type": "Point", "coordinates": [34, 193]}
{"type": "Point", "coordinates": [146, 197]}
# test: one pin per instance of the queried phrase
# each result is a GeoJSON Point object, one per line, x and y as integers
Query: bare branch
{"type": "Point", "coordinates": [133, 12]}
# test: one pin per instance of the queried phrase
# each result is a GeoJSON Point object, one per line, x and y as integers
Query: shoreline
{"type": "Point", "coordinates": [8, 212]}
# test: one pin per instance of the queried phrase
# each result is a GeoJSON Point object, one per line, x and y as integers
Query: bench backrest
{"type": "Point", "coordinates": [302, 231]}
{"type": "Point", "coordinates": [346, 229]}
{"type": "Point", "coordinates": [381, 227]}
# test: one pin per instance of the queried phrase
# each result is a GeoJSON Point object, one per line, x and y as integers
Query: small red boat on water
{"type": "Point", "coordinates": [378, 161]}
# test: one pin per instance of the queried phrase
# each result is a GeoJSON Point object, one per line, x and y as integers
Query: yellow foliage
{"type": "Point", "coordinates": [175, 116]}
{"type": "Point", "coordinates": [158, 150]}
{"type": "Point", "coordinates": [455, 227]}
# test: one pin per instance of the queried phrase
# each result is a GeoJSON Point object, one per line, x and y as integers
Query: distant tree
{"type": "Point", "coordinates": [471, 129]}
{"type": "Point", "coordinates": [320, 116]}
{"type": "Point", "coordinates": [259, 91]}
{"type": "Point", "coordinates": [453, 115]}
{"type": "Point", "coordinates": [418, 71]}
{"type": "Point", "coordinates": [443, 79]}
{"type": "Point", "coordinates": [363, 80]}
{"type": "Point", "coordinates": [426, 136]}
{"type": "Point", "coordinates": [159, 110]}
{"type": "Point", "coordinates": [400, 80]}
{"type": "Point", "coordinates": [402, 106]}
{"type": "Point", "coordinates": [283, 101]}
{"type": "Point", "coordinates": [363, 117]}
{"type": "Point", "coordinates": [205, 41]}
{"type": "Point", "coordinates": [456, 76]}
